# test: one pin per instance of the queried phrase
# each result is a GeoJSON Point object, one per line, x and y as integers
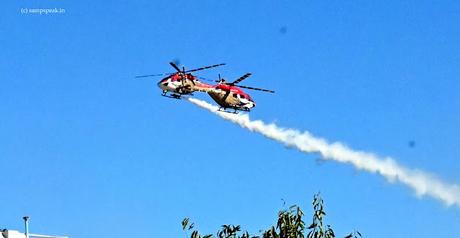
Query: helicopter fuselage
{"type": "Point", "coordinates": [182, 84]}
{"type": "Point", "coordinates": [231, 97]}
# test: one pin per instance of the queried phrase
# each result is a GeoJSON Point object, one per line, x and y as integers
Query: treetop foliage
{"type": "Point", "coordinates": [290, 224]}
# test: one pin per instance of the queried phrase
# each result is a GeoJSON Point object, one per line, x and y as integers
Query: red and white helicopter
{"type": "Point", "coordinates": [226, 95]}
{"type": "Point", "coordinates": [181, 82]}
{"type": "Point", "coordinates": [230, 95]}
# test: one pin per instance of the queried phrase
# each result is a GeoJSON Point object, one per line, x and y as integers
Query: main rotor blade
{"type": "Point", "coordinates": [175, 66]}
{"type": "Point", "coordinates": [207, 67]}
{"type": "Point", "coordinates": [153, 75]}
{"type": "Point", "coordinates": [258, 89]}
{"type": "Point", "coordinates": [241, 78]}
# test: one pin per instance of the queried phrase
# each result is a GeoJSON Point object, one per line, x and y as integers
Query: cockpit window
{"type": "Point", "coordinates": [235, 95]}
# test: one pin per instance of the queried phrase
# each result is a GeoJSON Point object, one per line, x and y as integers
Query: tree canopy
{"type": "Point", "coordinates": [290, 224]}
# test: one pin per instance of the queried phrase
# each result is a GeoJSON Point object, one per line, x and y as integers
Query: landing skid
{"type": "Point", "coordinates": [174, 95]}
{"type": "Point", "coordinates": [236, 111]}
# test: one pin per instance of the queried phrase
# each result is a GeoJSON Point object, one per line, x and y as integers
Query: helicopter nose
{"type": "Point", "coordinates": [162, 84]}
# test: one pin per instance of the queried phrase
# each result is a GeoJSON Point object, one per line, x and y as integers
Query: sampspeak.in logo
{"type": "Point", "coordinates": [42, 11]}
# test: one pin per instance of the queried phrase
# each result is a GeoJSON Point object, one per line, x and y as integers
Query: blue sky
{"type": "Point", "coordinates": [87, 151]}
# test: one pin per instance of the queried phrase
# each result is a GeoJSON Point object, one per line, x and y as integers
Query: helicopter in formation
{"type": "Point", "coordinates": [228, 95]}
{"type": "Point", "coordinates": [182, 82]}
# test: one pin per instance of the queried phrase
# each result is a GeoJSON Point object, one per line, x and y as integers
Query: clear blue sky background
{"type": "Point", "coordinates": [88, 151]}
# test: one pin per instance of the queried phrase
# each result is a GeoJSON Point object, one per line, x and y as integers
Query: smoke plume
{"type": "Point", "coordinates": [421, 182]}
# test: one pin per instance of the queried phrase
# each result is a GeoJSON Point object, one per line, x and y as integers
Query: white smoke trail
{"type": "Point", "coordinates": [421, 182]}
